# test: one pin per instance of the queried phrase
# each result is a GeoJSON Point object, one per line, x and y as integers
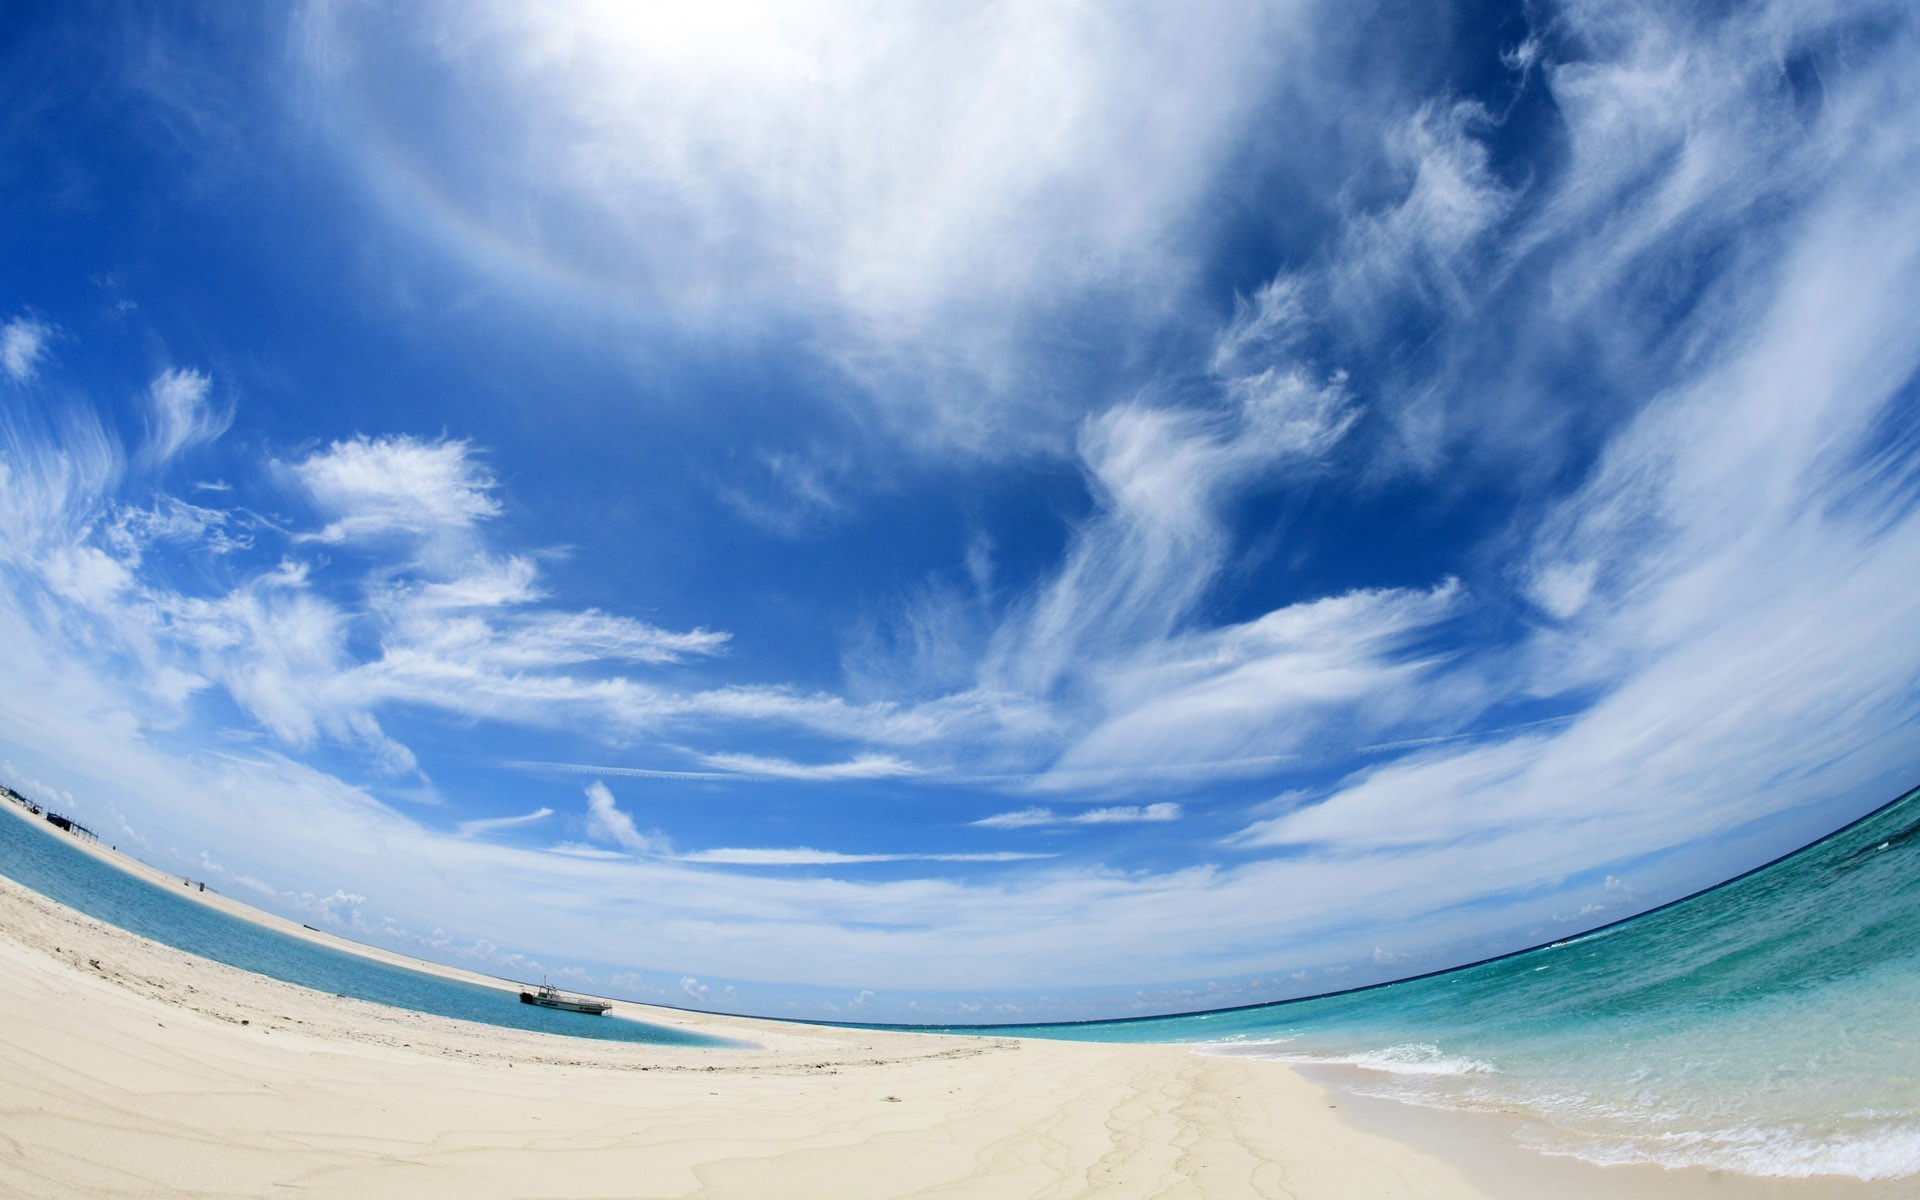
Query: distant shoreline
{"type": "Point", "coordinates": [221, 902]}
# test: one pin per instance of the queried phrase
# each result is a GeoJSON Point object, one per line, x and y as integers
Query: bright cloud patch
{"type": "Point", "coordinates": [23, 343]}
{"type": "Point", "coordinates": [890, 175]}
{"type": "Point", "coordinates": [371, 487]}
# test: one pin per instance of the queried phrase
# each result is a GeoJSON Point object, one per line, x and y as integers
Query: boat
{"type": "Point", "coordinates": [548, 996]}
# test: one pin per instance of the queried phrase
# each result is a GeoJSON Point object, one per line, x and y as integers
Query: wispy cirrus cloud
{"type": "Point", "coordinates": [482, 826]}
{"type": "Point", "coordinates": [181, 414]}
{"type": "Point", "coordinates": [608, 823]}
{"type": "Point", "coordinates": [378, 487]}
{"type": "Point", "coordinates": [807, 857]}
{"type": "Point", "coordinates": [465, 633]}
{"type": "Point", "coordinates": [1117, 814]}
{"type": "Point", "coordinates": [1688, 582]}
{"type": "Point", "coordinates": [866, 766]}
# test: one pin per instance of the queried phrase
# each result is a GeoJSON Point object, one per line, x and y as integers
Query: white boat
{"type": "Point", "coordinates": [548, 996]}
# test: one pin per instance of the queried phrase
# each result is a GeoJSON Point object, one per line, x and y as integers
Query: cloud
{"type": "Point", "coordinates": [23, 346]}
{"type": "Point", "coordinates": [463, 633]}
{"type": "Point", "coordinates": [1693, 576]}
{"type": "Point", "coordinates": [486, 825]}
{"type": "Point", "coordinates": [1639, 377]}
{"type": "Point", "coordinates": [1081, 667]}
{"type": "Point", "coordinates": [1562, 588]}
{"type": "Point", "coordinates": [806, 857]}
{"type": "Point", "coordinates": [1269, 685]}
{"type": "Point", "coordinates": [917, 186]}
{"type": "Point", "coordinates": [630, 772]}
{"type": "Point", "coordinates": [381, 487]}
{"type": "Point", "coordinates": [339, 909]}
{"type": "Point", "coordinates": [168, 519]}
{"type": "Point", "coordinates": [865, 766]}
{"type": "Point", "coordinates": [180, 415]}
{"type": "Point", "coordinates": [1426, 241]}
{"type": "Point", "coordinates": [1119, 814]}
{"type": "Point", "coordinates": [606, 822]}
{"type": "Point", "coordinates": [789, 494]}
{"type": "Point", "coordinates": [581, 850]}
{"type": "Point", "coordinates": [1160, 477]}
{"type": "Point", "coordinates": [477, 620]}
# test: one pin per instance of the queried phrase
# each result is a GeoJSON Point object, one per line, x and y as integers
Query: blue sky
{"type": "Point", "coordinates": [981, 512]}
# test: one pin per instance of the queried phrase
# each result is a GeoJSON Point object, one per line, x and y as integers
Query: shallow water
{"type": "Point", "coordinates": [1771, 1026]}
{"type": "Point", "coordinates": [53, 867]}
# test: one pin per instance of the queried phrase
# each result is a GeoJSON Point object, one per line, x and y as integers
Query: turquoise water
{"type": "Point", "coordinates": [1771, 1026]}
{"type": "Point", "coordinates": [53, 867]}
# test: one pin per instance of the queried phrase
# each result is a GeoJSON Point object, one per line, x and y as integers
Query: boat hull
{"type": "Point", "coordinates": [591, 1007]}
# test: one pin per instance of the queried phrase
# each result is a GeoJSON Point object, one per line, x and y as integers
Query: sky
{"type": "Point", "coordinates": [960, 512]}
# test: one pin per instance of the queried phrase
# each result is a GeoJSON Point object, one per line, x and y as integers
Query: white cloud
{"type": "Point", "coordinates": [1715, 542]}
{"type": "Point", "coordinates": [883, 173]}
{"type": "Point", "coordinates": [865, 766]}
{"type": "Point", "coordinates": [55, 482]}
{"type": "Point", "coordinates": [582, 850]}
{"type": "Point", "coordinates": [1118, 814]}
{"type": "Point", "coordinates": [463, 632]}
{"type": "Point", "coordinates": [338, 909]}
{"type": "Point", "coordinates": [803, 856]}
{"type": "Point", "coordinates": [1452, 201]}
{"type": "Point", "coordinates": [23, 346]}
{"type": "Point", "coordinates": [1562, 588]}
{"type": "Point", "coordinates": [180, 415]}
{"type": "Point", "coordinates": [606, 822]}
{"type": "Point", "coordinates": [629, 772]}
{"type": "Point", "coordinates": [378, 487]}
{"type": "Point", "coordinates": [448, 623]}
{"type": "Point", "coordinates": [1268, 685]}
{"type": "Point", "coordinates": [486, 825]}
{"type": "Point", "coordinates": [170, 519]}
{"type": "Point", "coordinates": [1156, 542]}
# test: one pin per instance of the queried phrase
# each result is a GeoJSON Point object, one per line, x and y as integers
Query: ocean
{"type": "Point", "coordinates": [49, 864]}
{"type": "Point", "coordinates": [1770, 1026]}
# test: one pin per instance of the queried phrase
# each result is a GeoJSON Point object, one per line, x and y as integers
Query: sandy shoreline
{"type": "Point", "coordinates": [133, 1069]}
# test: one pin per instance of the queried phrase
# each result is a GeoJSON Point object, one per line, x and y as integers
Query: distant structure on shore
{"type": "Point", "coordinates": [53, 818]}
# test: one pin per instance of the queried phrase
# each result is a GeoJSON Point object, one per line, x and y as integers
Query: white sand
{"type": "Point", "coordinates": [128, 1068]}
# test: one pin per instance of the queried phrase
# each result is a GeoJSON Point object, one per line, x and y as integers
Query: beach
{"type": "Point", "coordinates": [133, 1068]}
{"type": "Point", "coordinates": [136, 1069]}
